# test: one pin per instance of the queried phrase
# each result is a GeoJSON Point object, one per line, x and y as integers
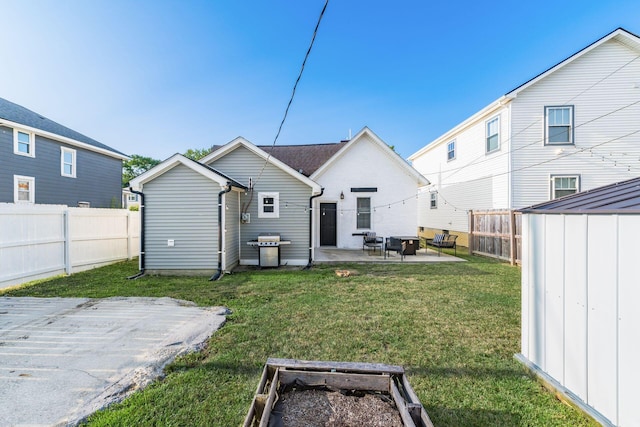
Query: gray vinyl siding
{"type": "Point", "coordinates": [181, 205]}
{"type": "Point", "coordinates": [293, 223]}
{"type": "Point", "coordinates": [231, 217]}
{"type": "Point", "coordinates": [98, 177]}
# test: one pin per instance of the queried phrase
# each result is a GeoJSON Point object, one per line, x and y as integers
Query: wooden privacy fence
{"type": "Point", "coordinates": [39, 241]}
{"type": "Point", "coordinates": [496, 233]}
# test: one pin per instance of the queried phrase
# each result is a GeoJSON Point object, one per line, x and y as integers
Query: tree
{"type": "Point", "coordinates": [197, 153]}
{"type": "Point", "coordinates": [135, 166]}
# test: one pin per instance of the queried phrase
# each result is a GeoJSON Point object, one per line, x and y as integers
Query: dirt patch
{"type": "Point", "coordinates": [324, 408]}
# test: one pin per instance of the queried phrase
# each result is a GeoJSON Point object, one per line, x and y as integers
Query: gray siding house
{"type": "Point", "coordinates": [44, 162]}
{"type": "Point", "coordinates": [199, 216]}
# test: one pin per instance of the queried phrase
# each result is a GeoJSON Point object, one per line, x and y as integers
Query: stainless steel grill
{"type": "Point", "coordinates": [268, 245]}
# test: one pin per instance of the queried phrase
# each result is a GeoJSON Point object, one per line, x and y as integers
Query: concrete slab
{"type": "Point", "coordinates": [62, 359]}
{"type": "Point", "coordinates": [334, 255]}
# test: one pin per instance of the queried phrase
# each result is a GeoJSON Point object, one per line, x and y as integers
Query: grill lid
{"type": "Point", "coordinates": [268, 237]}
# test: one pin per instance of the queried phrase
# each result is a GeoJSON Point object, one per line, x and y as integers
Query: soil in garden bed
{"type": "Point", "coordinates": [327, 408]}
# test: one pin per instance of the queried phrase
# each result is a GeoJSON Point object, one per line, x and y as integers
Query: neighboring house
{"type": "Point", "coordinates": [44, 162]}
{"type": "Point", "coordinates": [129, 199]}
{"type": "Point", "coordinates": [579, 299]}
{"type": "Point", "coordinates": [573, 127]}
{"type": "Point", "coordinates": [275, 190]}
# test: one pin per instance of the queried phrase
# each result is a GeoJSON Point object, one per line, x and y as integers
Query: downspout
{"type": "Point", "coordinates": [142, 227]}
{"type": "Point", "coordinates": [310, 264]}
{"type": "Point", "coordinates": [218, 273]}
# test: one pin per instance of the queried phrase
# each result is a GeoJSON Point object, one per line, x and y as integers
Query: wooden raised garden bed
{"type": "Point", "coordinates": [294, 393]}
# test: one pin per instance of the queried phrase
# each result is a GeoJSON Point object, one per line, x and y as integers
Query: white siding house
{"type": "Point", "coordinates": [571, 128]}
{"type": "Point", "coordinates": [367, 188]}
{"type": "Point", "coordinates": [579, 299]}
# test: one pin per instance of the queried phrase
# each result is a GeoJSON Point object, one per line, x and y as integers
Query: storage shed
{"type": "Point", "coordinates": [580, 293]}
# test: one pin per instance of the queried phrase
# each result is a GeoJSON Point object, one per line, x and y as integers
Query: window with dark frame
{"type": "Point", "coordinates": [363, 213]}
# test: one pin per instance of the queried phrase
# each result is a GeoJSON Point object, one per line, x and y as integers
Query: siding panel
{"type": "Point", "coordinates": [181, 205]}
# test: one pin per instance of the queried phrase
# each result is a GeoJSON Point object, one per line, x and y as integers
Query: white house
{"type": "Point", "coordinates": [580, 292]}
{"type": "Point", "coordinates": [571, 128]}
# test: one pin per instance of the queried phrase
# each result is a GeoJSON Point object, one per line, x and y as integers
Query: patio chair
{"type": "Point", "coordinates": [370, 240]}
{"type": "Point", "coordinates": [396, 245]}
{"type": "Point", "coordinates": [443, 241]}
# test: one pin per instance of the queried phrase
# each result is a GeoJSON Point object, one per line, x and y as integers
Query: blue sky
{"type": "Point", "coordinates": [158, 77]}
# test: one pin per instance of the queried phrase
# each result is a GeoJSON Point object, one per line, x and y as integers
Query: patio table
{"type": "Point", "coordinates": [412, 244]}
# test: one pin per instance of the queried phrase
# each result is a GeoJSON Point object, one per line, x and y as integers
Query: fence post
{"type": "Point", "coordinates": [471, 225]}
{"type": "Point", "coordinates": [512, 236]}
{"type": "Point", "coordinates": [67, 241]}
{"type": "Point", "coordinates": [129, 256]}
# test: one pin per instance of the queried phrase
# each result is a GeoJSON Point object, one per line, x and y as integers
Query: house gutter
{"type": "Point", "coordinates": [310, 263]}
{"type": "Point", "coordinates": [142, 227]}
{"type": "Point", "coordinates": [219, 273]}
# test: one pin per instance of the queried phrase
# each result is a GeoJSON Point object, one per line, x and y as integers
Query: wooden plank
{"type": "Point", "coordinates": [471, 232]}
{"type": "Point", "coordinates": [339, 380]}
{"type": "Point", "coordinates": [413, 398]}
{"type": "Point", "coordinates": [372, 368]}
{"type": "Point", "coordinates": [264, 419]}
{"type": "Point", "coordinates": [512, 248]}
{"type": "Point", "coordinates": [402, 406]}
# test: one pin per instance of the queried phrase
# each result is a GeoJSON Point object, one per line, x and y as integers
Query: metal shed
{"type": "Point", "coordinates": [580, 295]}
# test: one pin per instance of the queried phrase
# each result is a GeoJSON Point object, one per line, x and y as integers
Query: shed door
{"type": "Point", "coordinates": [328, 227]}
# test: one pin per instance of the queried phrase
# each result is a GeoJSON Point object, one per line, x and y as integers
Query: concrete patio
{"type": "Point", "coordinates": [332, 254]}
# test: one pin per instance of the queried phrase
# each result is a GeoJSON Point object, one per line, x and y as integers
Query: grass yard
{"type": "Point", "coordinates": [454, 327]}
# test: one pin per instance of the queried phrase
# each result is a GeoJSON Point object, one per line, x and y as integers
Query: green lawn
{"type": "Point", "coordinates": [454, 327]}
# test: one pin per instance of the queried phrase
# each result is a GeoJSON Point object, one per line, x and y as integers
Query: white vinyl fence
{"type": "Point", "coordinates": [39, 241]}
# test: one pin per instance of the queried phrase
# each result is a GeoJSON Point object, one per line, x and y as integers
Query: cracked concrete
{"type": "Point", "coordinates": [61, 359]}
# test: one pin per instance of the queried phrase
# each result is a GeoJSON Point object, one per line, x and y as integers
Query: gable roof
{"type": "Point", "coordinates": [395, 157]}
{"type": "Point", "coordinates": [620, 35]}
{"type": "Point", "coordinates": [15, 115]}
{"type": "Point", "coordinates": [221, 151]}
{"type": "Point", "coordinates": [178, 159]}
{"type": "Point", "coordinates": [620, 198]}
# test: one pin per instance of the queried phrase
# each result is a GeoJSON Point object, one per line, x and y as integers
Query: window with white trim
{"type": "Point", "coordinates": [564, 185]}
{"type": "Point", "coordinates": [132, 197]}
{"type": "Point", "coordinates": [363, 213]}
{"type": "Point", "coordinates": [451, 150]}
{"type": "Point", "coordinates": [23, 143]}
{"type": "Point", "coordinates": [67, 162]}
{"type": "Point", "coordinates": [268, 205]}
{"type": "Point", "coordinates": [493, 135]}
{"type": "Point", "coordinates": [433, 200]}
{"type": "Point", "coordinates": [558, 125]}
{"type": "Point", "coordinates": [24, 189]}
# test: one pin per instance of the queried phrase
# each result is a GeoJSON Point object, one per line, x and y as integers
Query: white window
{"type": "Point", "coordinates": [493, 135]}
{"type": "Point", "coordinates": [564, 185]}
{"type": "Point", "coordinates": [433, 201]}
{"type": "Point", "coordinates": [132, 197]}
{"type": "Point", "coordinates": [268, 205]}
{"type": "Point", "coordinates": [363, 213]}
{"type": "Point", "coordinates": [68, 162]}
{"type": "Point", "coordinates": [23, 143]}
{"type": "Point", "coordinates": [559, 125]}
{"type": "Point", "coordinates": [451, 150]}
{"type": "Point", "coordinates": [24, 189]}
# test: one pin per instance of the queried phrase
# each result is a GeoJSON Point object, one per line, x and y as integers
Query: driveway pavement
{"type": "Point", "coordinates": [62, 359]}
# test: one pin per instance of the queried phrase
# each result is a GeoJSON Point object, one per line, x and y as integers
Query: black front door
{"type": "Point", "coordinates": [328, 228]}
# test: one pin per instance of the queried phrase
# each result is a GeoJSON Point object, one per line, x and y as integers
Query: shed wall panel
{"type": "Point", "coordinates": [554, 296]}
{"type": "Point", "coordinates": [602, 325]}
{"type": "Point", "coordinates": [575, 304]}
{"type": "Point", "coordinates": [629, 323]}
{"type": "Point", "coordinates": [537, 326]}
{"type": "Point", "coordinates": [527, 284]}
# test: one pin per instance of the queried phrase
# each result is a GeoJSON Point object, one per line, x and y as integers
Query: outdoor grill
{"type": "Point", "coordinates": [268, 245]}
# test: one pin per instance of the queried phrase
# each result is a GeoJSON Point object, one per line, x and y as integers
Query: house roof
{"type": "Point", "coordinates": [179, 159]}
{"type": "Point", "coordinates": [13, 114]}
{"type": "Point", "coordinates": [620, 35]}
{"type": "Point", "coordinates": [395, 157]}
{"type": "Point", "coordinates": [220, 151]}
{"type": "Point", "coordinates": [619, 198]}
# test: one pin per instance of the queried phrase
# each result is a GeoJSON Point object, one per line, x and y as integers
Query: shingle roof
{"type": "Point", "coordinates": [18, 114]}
{"type": "Point", "coordinates": [305, 159]}
{"type": "Point", "coordinates": [621, 197]}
